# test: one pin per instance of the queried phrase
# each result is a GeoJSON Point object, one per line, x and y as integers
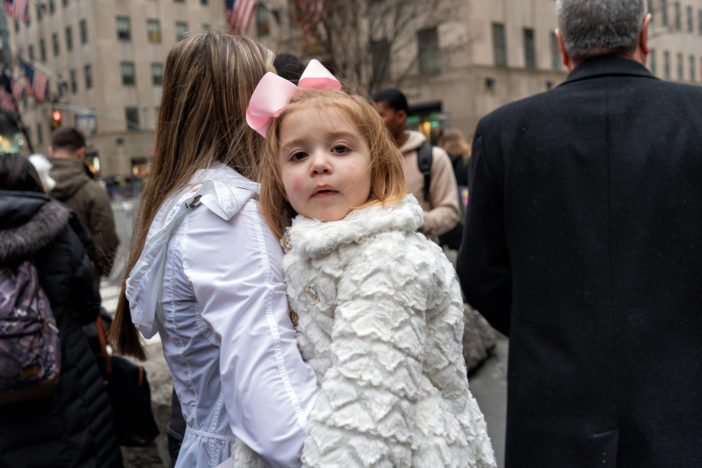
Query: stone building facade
{"type": "Point", "coordinates": [107, 57]}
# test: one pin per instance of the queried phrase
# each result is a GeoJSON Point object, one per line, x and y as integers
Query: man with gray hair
{"type": "Point", "coordinates": [583, 243]}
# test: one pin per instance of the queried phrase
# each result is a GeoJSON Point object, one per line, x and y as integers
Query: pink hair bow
{"type": "Point", "coordinates": [273, 93]}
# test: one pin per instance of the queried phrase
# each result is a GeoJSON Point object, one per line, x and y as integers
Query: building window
{"type": "Point", "coordinates": [157, 74]}
{"type": "Point", "coordinates": [205, 28]}
{"type": "Point", "coordinates": [69, 38]}
{"type": "Point", "coordinates": [42, 50]}
{"type": "Point", "coordinates": [678, 22]}
{"type": "Point", "coordinates": [52, 7]}
{"type": "Point", "coordinates": [203, 2]}
{"type": "Point", "coordinates": [680, 67]}
{"type": "Point", "coordinates": [529, 49]}
{"type": "Point", "coordinates": [666, 64]}
{"type": "Point", "coordinates": [74, 81]}
{"type": "Point", "coordinates": [693, 72]}
{"type": "Point", "coordinates": [690, 20]}
{"type": "Point", "coordinates": [652, 61]}
{"type": "Point", "coordinates": [664, 12]}
{"type": "Point", "coordinates": [128, 74]}
{"type": "Point", "coordinates": [39, 6]}
{"type": "Point", "coordinates": [263, 25]}
{"type": "Point", "coordinates": [380, 58]}
{"type": "Point", "coordinates": [17, 24]}
{"type": "Point", "coordinates": [64, 3]}
{"type": "Point", "coordinates": [429, 59]}
{"type": "Point", "coordinates": [131, 115]}
{"type": "Point", "coordinates": [88, 74]}
{"type": "Point", "coordinates": [55, 43]}
{"type": "Point", "coordinates": [124, 29]}
{"type": "Point", "coordinates": [499, 44]}
{"type": "Point", "coordinates": [179, 1]}
{"type": "Point", "coordinates": [40, 136]}
{"type": "Point", "coordinates": [31, 52]}
{"type": "Point", "coordinates": [555, 52]}
{"type": "Point", "coordinates": [699, 22]}
{"type": "Point", "coordinates": [153, 30]}
{"type": "Point", "coordinates": [83, 26]}
{"type": "Point", "coordinates": [181, 30]}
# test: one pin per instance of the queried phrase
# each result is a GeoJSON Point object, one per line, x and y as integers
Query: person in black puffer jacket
{"type": "Point", "coordinates": [73, 427]}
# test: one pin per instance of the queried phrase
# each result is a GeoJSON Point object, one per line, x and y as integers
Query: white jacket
{"type": "Point", "coordinates": [381, 322]}
{"type": "Point", "coordinates": [210, 282]}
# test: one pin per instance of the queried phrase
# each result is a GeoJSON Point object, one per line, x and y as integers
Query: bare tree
{"type": "Point", "coordinates": [359, 39]}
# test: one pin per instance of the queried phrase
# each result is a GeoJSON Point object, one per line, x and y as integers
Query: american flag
{"type": "Point", "coordinates": [36, 83]}
{"type": "Point", "coordinates": [6, 101]}
{"type": "Point", "coordinates": [310, 13]}
{"type": "Point", "coordinates": [238, 14]}
{"type": "Point", "coordinates": [17, 90]}
{"type": "Point", "coordinates": [16, 8]}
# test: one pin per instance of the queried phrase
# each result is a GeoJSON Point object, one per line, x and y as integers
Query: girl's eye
{"type": "Point", "coordinates": [340, 149]}
{"type": "Point", "coordinates": [298, 155]}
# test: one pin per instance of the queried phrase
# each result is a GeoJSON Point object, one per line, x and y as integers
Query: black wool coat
{"type": "Point", "coordinates": [583, 243]}
{"type": "Point", "coordinates": [73, 427]}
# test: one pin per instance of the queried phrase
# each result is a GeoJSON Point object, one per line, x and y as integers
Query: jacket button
{"type": "Point", "coordinates": [285, 242]}
{"type": "Point", "coordinates": [311, 295]}
{"type": "Point", "coordinates": [294, 318]}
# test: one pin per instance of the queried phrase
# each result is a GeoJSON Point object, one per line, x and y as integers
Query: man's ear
{"type": "Point", "coordinates": [51, 151]}
{"type": "Point", "coordinates": [643, 37]}
{"type": "Point", "coordinates": [564, 53]}
{"type": "Point", "coordinates": [80, 153]}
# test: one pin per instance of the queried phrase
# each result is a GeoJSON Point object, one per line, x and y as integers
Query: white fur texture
{"type": "Point", "coordinates": [381, 323]}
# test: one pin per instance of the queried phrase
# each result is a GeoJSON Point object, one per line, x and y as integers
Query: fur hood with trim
{"type": "Point", "coordinates": [30, 222]}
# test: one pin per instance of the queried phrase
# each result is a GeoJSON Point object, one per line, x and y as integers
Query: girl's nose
{"type": "Point", "coordinates": [320, 162]}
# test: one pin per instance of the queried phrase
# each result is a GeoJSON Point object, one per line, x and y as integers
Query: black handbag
{"type": "Point", "coordinates": [130, 396]}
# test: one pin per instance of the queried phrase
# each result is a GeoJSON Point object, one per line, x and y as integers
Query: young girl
{"type": "Point", "coordinates": [205, 270]}
{"type": "Point", "coordinates": [377, 305]}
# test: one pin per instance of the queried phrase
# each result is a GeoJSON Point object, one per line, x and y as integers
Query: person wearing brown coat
{"type": "Point", "coordinates": [83, 195]}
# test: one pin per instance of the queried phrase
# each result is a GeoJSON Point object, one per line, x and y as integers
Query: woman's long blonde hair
{"type": "Point", "coordinates": [387, 167]}
{"type": "Point", "coordinates": [207, 83]}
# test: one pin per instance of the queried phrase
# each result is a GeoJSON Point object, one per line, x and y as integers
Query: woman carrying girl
{"type": "Point", "coordinates": [204, 269]}
{"type": "Point", "coordinates": [378, 306]}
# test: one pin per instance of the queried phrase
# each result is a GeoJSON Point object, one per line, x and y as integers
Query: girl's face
{"type": "Point", "coordinates": [324, 163]}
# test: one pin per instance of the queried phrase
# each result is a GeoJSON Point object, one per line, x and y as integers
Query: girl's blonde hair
{"type": "Point", "coordinates": [453, 142]}
{"type": "Point", "coordinates": [387, 166]}
{"type": "Point", "coordinates": [207, 83]}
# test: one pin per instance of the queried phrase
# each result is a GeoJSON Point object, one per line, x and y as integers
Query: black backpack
{"type": "Point", "coordinates": [425, 158]}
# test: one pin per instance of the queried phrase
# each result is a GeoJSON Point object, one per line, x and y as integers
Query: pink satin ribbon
{"type": "Point", "coordinates": [273, 93]}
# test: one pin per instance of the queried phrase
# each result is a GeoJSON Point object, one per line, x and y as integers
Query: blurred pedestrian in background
{"type": "Point", "coordinates": [90, 201]}
{"type": "Point", "coordinates": [434, 186]}
{"type": "Point", "coordinates": [73, 426]}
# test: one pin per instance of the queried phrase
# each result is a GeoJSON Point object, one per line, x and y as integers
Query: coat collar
{"type": "Point", "coordinates": [313, 238]}
{"type": "Point", "coordinates": [605, 65]}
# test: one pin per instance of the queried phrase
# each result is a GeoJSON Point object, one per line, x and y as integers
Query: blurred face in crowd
{"type": "Point", "coordinates": [393, 120]}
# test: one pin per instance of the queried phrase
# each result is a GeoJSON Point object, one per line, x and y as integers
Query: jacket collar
{"type": "Point", "coordinates": [313, 238]}
{"type": "Point", "coordinates": [607, 65]}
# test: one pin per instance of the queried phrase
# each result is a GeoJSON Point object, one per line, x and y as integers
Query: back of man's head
{"type": "Point", "coordinates": [393, 98]}
{"type": "Point", "coordinates": [596, 27]}
{"type": "Point", "coordinates": [289, 67]}
{"type": "Point", "coordinates": [67, 139]}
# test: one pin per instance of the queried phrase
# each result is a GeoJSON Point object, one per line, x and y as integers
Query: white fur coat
{"type": "Point", "coordinates": [381, 323]}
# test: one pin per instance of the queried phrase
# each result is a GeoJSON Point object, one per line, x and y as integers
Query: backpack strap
{"type": "Point", "coordinates": [424, 161]}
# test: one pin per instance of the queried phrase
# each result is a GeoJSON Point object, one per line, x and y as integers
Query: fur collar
{"type": "Point", "coordinates": [313, 238]}
{"type": "Point", "coordinates": [41, 228]}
